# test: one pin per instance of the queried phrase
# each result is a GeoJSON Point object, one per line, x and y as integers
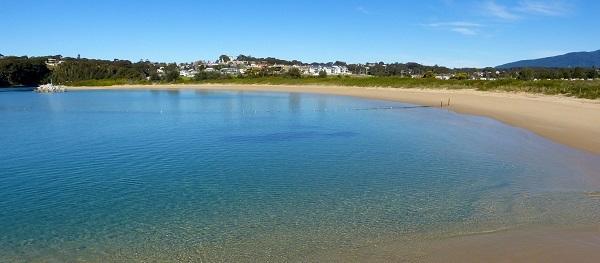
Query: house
{"type": "Point", "coordinates": [314, 70]}
{"type": "Point", "coordinates": [52, 62]}
{"type": "Point", "coordinates": [189, 73]}
{"type": "Point", "coordinates": [160, 71]}
{"type": "Point", "coordinates": [230, 71]}
{"type": "Point", "coordinates": [339, 70]}
{"type": "Point", "coordinates": [443, 76]}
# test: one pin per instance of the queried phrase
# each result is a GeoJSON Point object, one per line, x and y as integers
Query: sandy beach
{"type": "Point", "coordinates": [569, 121]}
{"type": "Point", "coordinates": [532, 244]}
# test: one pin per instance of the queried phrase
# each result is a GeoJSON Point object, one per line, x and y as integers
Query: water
{"type": "Point", "coordinates": [248, 176]}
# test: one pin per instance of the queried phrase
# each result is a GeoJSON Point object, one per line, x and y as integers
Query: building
{"type": "Point", "coordinates": [52, 62]}
{"type": "Point", "coordinates": [443, 76]}
{"type": "Point", "coordinates": [230, 71]}
{"type": "Point", "coordinates": [189, 73]}
{"type": "Point", "coordinates": [160, 71]}
{"type": "Point", "coordinates": [314, 70]}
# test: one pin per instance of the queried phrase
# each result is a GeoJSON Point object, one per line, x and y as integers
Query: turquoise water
{"type": "Point", "coordinates": [249, 176]}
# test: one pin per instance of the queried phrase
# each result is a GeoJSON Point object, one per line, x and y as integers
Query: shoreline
{"type": "Point", "coordinates": [569, 121]}
{"type": "Point", "coordinates": [522, 244]}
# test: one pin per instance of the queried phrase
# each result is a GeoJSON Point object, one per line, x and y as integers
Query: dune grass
{"type": "Point", "coordinates": [589, 89]}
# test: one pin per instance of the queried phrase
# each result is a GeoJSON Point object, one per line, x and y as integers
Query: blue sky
{"type": "Point", "coordinates": [445, 32]}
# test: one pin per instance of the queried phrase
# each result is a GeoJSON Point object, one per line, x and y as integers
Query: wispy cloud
{"type": "Point", "coordinates": [542, 8]}
{"type": "Point", "coordinates": [363, 10]}
{"type": "Point", "coordinates": [524, 9]}
{"type": "Point", "coordinates": [454, 24]}
{"type": "Point", "coordinates": [461, 27]}
{"type": "Point", "coordinates": [463, 30]}
{"type": "Point", "coordinates": [499, 11]}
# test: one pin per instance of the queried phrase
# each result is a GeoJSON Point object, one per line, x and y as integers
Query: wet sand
{"type": "Point", "coordinates": [569, 121]}
{"type": "Point", "coordinates": [531, 244]}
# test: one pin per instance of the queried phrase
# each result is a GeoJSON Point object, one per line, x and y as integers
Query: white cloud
{"type": "Point", "coordinates": [454, 24]}
{"type": "Point", "coordinates": [542, 8]}
{"type": "Point", "coordinates": [363, 10]}
{"type": "Point", "coordinates": [499, 11]}
{"type": "Point", "coordinates": [525, 8]}
{"type": "Point", "coordinates": [461, 27]}
{"type": "Point", "coordinates": [463, 30]}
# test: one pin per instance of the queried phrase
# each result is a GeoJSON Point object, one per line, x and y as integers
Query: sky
{"type": "Point", "coordinates": [444, 32]}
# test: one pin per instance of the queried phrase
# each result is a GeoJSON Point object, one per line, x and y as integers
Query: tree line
{"type": "Point", "coordinates": [34, 70]}
{"type": "Point", "coordinates": [23, 71]}
{"type": "Point", "coordinates": [30, 71]}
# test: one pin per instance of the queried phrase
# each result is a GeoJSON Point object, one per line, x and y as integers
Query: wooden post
{"type": "Point", "coordinates": [448, 102]}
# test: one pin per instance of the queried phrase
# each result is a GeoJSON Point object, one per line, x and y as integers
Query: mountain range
{"type": "Point", "coordinates": [569, 60]}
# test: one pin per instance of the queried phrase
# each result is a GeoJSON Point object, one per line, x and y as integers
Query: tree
{"type": "Point", "coordinates": [224, 59]}
{"type": "Point", "coordinates": [171, 72]}
{"type": "Point", "coordinates": [578, 73]}
{"type": "Point", "coordinates": [294, 73]}
{"type": "Point", "coordinates": [204, 75]}
{"type": "Point", "coordinates": [154, 76]}
{"type": "Point", "coordinates": [3, 80]}
{"type": "Point", "coordinates": [461, 76]}
{"type": "Point", "coordinates": [592, 73]}
{"type": "Point", "coordinates": [322, 74]}
{"type": "Point", "coordinates": [526, 74]}
{"type": "Point", "coordinates": [429, 75]}
{"type": "Point", "coordinates": [23, 71]}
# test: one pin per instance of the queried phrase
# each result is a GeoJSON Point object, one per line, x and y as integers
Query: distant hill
{"type": "Point", "coordinates": [569, 60]}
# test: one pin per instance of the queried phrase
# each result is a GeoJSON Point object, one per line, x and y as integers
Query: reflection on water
{"type": "Point", "coordinates": [247, 176]}
{"type": "Point", "coordinates": [294, 103]}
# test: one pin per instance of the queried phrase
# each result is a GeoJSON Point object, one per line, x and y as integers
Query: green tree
{"type": "Point", "coordinates": [322, 74]}
{"type": "Point", "coordinates": [3, 80]}
{"type": "Point", "coordinates": [578, 73]}
{"type": "Point", "coordinates": [429, 75]}
{"type": "Point", "coordinates": [171, 72]}
{"type": "Point", "coordinates": [92, 69]}
{"type": "Point", "coordinates": [592, 73]}
{"type": "Point", "coordinates": [526, 74]}
{"type": "Point", "coordinates": [204, 75]}
{"type": "Point", "coordinates": [23, 71]}
{"type": "Point", "coordinates": [294, 73]}
{"type": "Point", "coordinates": [154, 76]}
{"type": "Point", "coordinates": [461, 76]}
{"type": "Point", "coordinates": [224, 58]}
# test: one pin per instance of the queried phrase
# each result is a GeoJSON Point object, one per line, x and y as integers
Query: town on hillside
{"type": "Point", "coordinates": [250, 66]}
{"type": "Point", "coordinates": [23, 70]}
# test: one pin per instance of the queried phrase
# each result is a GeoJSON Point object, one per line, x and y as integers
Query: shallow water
{"type": "Point", "coordinates": [249, 176]}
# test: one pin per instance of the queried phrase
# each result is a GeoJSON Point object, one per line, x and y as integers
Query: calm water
{"type": "Point", "coordinates": [247, 176]}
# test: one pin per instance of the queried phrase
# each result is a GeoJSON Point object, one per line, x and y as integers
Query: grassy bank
{"type": "Point", "coordinates": [578, 88]}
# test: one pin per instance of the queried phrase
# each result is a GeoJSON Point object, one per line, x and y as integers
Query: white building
{"type": "Point", "coordinates": [443, 76]}
{"type": "Point", "coordinates": [330, 70]}
{"type": "Point", "coordinates": [230, 71]}
{"type": "Point", "coordinates": [189, 73]}
{"type": "Point", "coordinates": [51, 62]}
